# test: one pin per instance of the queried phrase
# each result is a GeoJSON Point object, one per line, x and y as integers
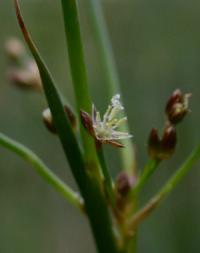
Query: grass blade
{"type": "Point", "coordinates": [79, 76]}
{"type": "Point", "coordinates": [41, 169]}
{"type": "Point", "coordinates": [62, 123]}
{"type": "Point", "coordinates": [109, 70]}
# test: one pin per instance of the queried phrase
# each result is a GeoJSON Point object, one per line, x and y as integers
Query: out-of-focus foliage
{"type": "Point", "coordinates": [157, 48]}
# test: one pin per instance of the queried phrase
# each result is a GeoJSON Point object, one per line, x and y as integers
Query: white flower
{"type": "Point", "coordinates": [105, 130]}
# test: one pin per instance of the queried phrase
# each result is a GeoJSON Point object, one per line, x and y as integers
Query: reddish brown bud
{"type": "Point", "coordinates": [124, 183]}
{"type": "Point", "coordinates": [71, 116]}
{"type": "Point", "coordinates": [169, 140]}
{"type": "Point", "coordinates": [162, 149]}
{"type": "Point", "coordinates": [174, 98]}
{"type": "Point", "coordinates": [87, 123]}
{"type": "Point", "coordinates": [154, 141]}
{"type": "Point", "coordinates": [177, 106]}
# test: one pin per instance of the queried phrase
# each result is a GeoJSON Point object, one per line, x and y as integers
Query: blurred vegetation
{"type": "Point", "coordinates": [157, 48]}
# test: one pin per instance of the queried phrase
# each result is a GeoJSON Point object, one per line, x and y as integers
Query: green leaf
{"type": "Point", "coordinates": [79, 77]}
{"type": "Point", "coordinates": [62, 123]}
{"type": "Point", "coordinates": [109, 70]}
{"type": "Point", "coordinates": [41, 169]}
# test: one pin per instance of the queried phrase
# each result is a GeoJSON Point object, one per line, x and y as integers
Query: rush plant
{"type": "Point", "coordinates": [111, 206]}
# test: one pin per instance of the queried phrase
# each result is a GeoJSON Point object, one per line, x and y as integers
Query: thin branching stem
{"type": "Point", "coordinates": [112, 81]}
{"type": "Point", "coordinates": [148, 170]}
{"type": "Point", "coordinates": [108, 183]}
{"type": "Point", "coordinates": [165, 190]}
{"type": "Point", "coordinates": [41, 169]}
{"type": "Point", "coordinates": [79, 76]}
{"type": "Point", "coordinates": [109, 70]}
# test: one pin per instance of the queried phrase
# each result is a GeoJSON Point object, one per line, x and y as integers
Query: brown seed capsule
{"type": "Point", "coordinates": [177, 106]}
{"type": "Point", "coordinates": [153, 142]}
{"type": "Point", "coordinates": [87, 123]}
{"type": "Point", "coordinates": [169, 137]}
{"type": "Point", "coordinates": [71, 117]}
{"type": "Point", "coordinates": [162, 149]}
{"type": "Point", "coordinates": [124, 183]}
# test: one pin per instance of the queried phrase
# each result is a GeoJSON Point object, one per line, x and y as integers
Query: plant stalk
{"type": "Point", "coordinates": [107, 177]}
{"type": "Point", "coordinates": [41, 169]}
{"type": "Point", "coordinates": [79, 75]}
{"type": "Point", "coordinates": [165, 190]}
{"type": "Point", "coordinates": [95, 201]}
{"type": "Point", "coordinates": [149, 168]}
{"type": "Point", "coordinates": [109, 70]}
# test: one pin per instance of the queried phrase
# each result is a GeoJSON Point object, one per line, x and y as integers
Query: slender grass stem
{"type": "Point", "coordinates": [41, 169]}
{"type": "Point", "coordinates": [79, 75]}
{"type": "Point", "coordinates": [165, 190]}
{"type": "Point", "coordinates": [109, 69]}
{"type": "Point", "coordinates": [149, 169]}
{"type": "Point", "coordinates": [112, 82]}
{"type": "Point", "coordinates": [103, 45]}
{"type": "Point", "coordinates": [107, 177]}
{"type": "Point", "coordinates": [132, 246]}
{"type": "Point", "coordinates": [147, 172]}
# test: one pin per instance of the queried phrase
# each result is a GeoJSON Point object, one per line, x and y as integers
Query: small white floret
{"type": "Point", "coordinates": [105, 130]}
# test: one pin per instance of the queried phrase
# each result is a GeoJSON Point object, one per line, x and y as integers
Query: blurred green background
{"type": "Point", "coordinates": [157, 49]}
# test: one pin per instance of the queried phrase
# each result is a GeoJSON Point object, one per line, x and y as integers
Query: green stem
{"type": "Point", "coordinates": [40, 168]}
{"type": "Point", "coordinates": [79, 74]}
{"type": "Point", "coordinates": [100, 220]}
{"type": "Point", "coordinates": [165, 190]}
{"type": "Point", "coordinates": [109, 70]}
{"type": "Point", "coordinates": [103, 45]}
{"type": "Point", "coordinates": [112, 83]}
{"type": "Point", "coordinates": [149, 169]}
{"type": "Point", "coordinates": [107, 177]}
{"type": "Point", "coordinates": [147, 172]}
{"type": "Point", "coordinates": [183, 170]}
{"type": "Point", "coordinates": [132, 246]}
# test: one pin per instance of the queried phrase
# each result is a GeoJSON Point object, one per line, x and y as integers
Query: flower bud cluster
{"type": "Point", "coordinates": [177, 106]}
{"type": "Point", "coordinates": [162, 148]}
{"type": "Point", "coordinates": [176, 109]}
